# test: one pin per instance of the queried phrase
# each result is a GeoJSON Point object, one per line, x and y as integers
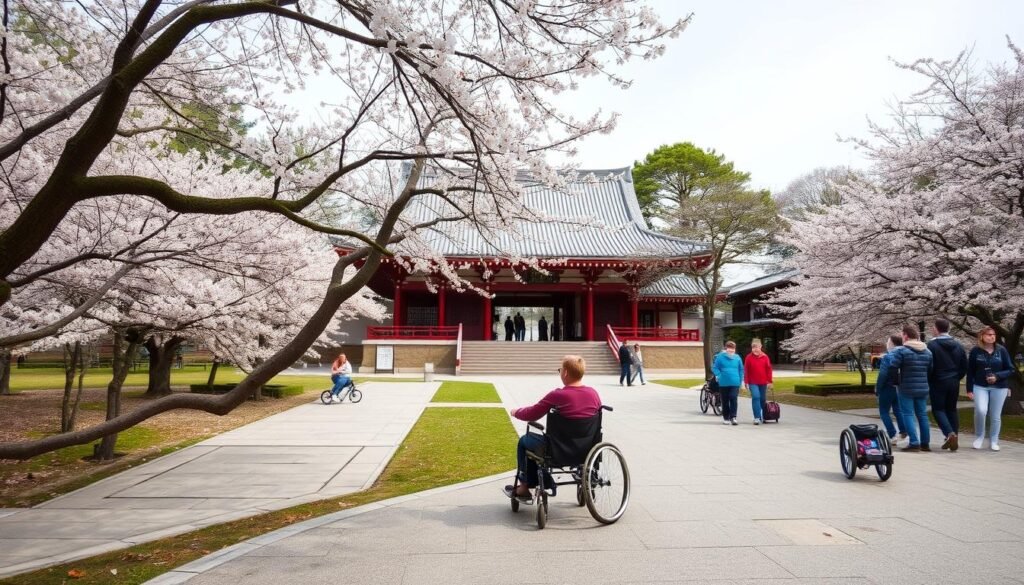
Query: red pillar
{"type": "Point", "coordinates": [488, 320]}
{"type": "Point", "coordinates": [396, 320]}
{"type": "Point", "coordinates": [590, 312]}
{"type": "Point", "coordinates": [441, 296]}
{"type": "Point", "coordinates": [634, 310]}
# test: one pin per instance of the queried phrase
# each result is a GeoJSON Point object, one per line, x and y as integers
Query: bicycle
{"type": "Point", "coordinates": [349, 391]}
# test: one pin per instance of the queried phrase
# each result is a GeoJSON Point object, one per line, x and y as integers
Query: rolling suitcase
{"type": "Point", "coordinates": [772, 411]}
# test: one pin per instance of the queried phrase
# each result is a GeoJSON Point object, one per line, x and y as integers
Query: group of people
{"type": "Point", "coordinates": [515, 329]}
{"type": "Point", "coordinates": [732, 373]}
{"type": "Point", "coordinates": [631, 364]}
{"type": "Point", "coordinates": [912, 372]}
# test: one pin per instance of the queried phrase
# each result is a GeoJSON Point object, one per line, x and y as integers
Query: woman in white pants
{"type": "Point", "coordinates": [989, 368]}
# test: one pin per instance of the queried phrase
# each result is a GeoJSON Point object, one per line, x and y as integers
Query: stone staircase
{"type": "Point", "coordinates": [534, 357]}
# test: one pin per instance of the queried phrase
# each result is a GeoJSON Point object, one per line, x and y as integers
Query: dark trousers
{"type": "Point", "coordinates": [730, 394]}
{"type": "Point", "coordinates": [527, 469]}
{"type": "Point", "coordinates": [624, 374]}
{"type": "Point", "coordinates": [944, 394]}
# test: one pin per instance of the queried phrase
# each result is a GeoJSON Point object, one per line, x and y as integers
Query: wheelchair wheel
{"type": "Point", "coordinates": [325, 397]}
{"type": "Point", "coordinates": [355, 395]}
{"type": "Point", "coordinates": [716, 403]}
{"type": "Point", "coordinates": [704, 404]}
{"type": "Point", "coordinates": [606, 483]}
{"type": "Point", "coordinates": [542, 509]}
{"type": "Point", "coordinates": [848, 453]}
{"type": "Point", "coordinates": [515, 504]}
{"type": "Point", "coordinates": [580, 500]}
{"type": "Point", "coordinates": [884, 470]}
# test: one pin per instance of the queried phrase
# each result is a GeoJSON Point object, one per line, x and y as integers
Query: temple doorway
{"type": "Point", "coordinates": [557, 310]}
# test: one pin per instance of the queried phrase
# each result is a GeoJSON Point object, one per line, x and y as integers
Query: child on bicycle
{"type": "Point", "coordinates": [341, 376]}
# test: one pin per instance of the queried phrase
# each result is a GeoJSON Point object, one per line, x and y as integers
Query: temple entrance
{"type": "Point", "coordinates": [559, 310]}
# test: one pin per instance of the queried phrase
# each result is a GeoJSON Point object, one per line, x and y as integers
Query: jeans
{"type": "Point", "coordinates": [340, 381]}
{"type": "Point", "coordinates": [758, 399]}
{"type": "Point", "coordinates": [889, 401]}
{"type": "Point", "coordinates": [988, 399]}
{"type": "Point", "coordinates": [527, 469]}
{"type": "Point", "coordinates": [638, 370]}
{"type": "Point", "coordinates": [624, 374]}
{"type": "Point", "coordinates": [729, 395]}
{"type": "Point", "coordinates": [915, 415]}
{"type": "Point", "coordinates": [944, 394]}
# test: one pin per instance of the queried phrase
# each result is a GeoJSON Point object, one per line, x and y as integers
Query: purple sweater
{"type": "Point", "coordinates": [571, 402]}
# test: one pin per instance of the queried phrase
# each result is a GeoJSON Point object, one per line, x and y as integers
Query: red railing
{"type": "Point", "coordinates": [412, 332]}
{"type": "Point", "coordinates": [631, 334]}
{"type": "Point", "coordinates": [613, 342]}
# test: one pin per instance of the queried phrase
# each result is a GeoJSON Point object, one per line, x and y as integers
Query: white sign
{"type": "Point", "coordinates": [385, 359]}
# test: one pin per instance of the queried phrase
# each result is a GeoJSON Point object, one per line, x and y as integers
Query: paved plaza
{"type": "Point", "coordinates": [710, 504]}
{"type": "Point", "coordinates": [311, 452]}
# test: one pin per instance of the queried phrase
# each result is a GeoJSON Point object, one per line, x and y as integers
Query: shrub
{"type": "Point", "coordinates": [830, 389]}
{"type": "Point", "coordinates": [271, 390]}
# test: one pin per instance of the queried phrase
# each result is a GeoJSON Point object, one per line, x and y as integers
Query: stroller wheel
{"type": "Point", "coordinates": [848, 453]}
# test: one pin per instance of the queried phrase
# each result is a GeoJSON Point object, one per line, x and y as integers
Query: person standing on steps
{"type": "Point", "coordinates": [757, 372]}
{"type": "Point", "coordinates": [728, 370]}
{"type": "Point", "coordinates": [949, 367]}
{"type": "Point", "coordinates": [542, 329]}
{"type": "Point", "coordinates": [989, 368]}
{"type": "Point", "coordinates": [509, 328]}
{"type": "Point", "coordinates": [520, 324]}
{"type": "Point", "coordinates": [914, 362]}
{"type": "Point", "coordinates": [625, 363]}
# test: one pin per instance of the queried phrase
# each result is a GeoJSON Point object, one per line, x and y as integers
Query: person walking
{"type": "Point", "coordinates": [542, 329]}
{"type": "Point", "coordinates": [637, 360]}
{"type": "Point", "coordinates": [757, 373]}
{"type": "Point", "coordinates": [914, 362]}
{"type": "Point", "coordinates": [886, 389]}
{"type": "Point", "coordinates": [949, 367]}
{"type": "Point", "coordinates": [728, 370]}
{"type": "Point", "coordinates": [989, 368]}
{"type": "Point", "coordinates": [625, 363]}
{"type": "Point", "coordinates": [520, 324]}
{"type": "Point", "coordinates": [509, 328]}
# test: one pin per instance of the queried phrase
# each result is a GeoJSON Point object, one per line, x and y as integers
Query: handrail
{"type": "Point", "coordinates": [657, 334]}
{"type": "Point", "coordinates": [613, 342]}
{"type": "Point", "coordinates": [458, 352]}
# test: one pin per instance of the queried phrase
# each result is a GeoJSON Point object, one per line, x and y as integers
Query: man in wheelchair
{"type": "Point", "coordinates": [574, 400]}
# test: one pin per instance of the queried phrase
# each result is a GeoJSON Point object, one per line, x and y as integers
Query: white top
{"type": "Point", "coordinates": [345, 368]}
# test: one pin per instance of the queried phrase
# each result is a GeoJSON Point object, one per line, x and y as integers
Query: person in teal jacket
{"type": "Point", "coordinates": [728, 370]}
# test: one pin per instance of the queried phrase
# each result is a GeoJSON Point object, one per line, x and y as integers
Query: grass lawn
{"type": "Point", "coordinates": [451, 391]}
{"type": "Point", "coordinates": [446, 446]}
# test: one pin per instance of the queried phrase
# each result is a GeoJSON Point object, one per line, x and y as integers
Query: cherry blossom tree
{"type": "Point", "coordinates": [90, 89]}
{"type": "Point", "coordinates": [934, 229]}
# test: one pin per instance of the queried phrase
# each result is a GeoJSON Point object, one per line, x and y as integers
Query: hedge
{"type": "Point", "coordinates": [271, 390]}
{"type": "Point", "coordinates": [830, 389]}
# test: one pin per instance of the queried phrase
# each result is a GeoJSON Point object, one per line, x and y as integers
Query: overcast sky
{"type": "Point", "coordinates": [772, 84]}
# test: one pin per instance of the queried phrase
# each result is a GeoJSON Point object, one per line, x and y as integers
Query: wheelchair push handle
{"type": "Point", "coordinates": [606, 407]}
{"type": "Point", "coordinates": [535, 425]}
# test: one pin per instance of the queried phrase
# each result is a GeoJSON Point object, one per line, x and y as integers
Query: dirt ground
{"type": "Point", "coordinates": [34, 413]}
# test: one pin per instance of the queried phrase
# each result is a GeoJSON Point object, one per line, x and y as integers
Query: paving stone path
{"type": "Point", "coordinates": [311, 452]}
{"type": "Point", "coordinates": [710, 504]}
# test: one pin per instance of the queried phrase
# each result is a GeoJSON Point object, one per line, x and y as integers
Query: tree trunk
{"type": "Point", "coordinates": [5, 373]}
{"type": "Point", "coordinates": [860, 367]}
{"type": "Point", "coordinates": [709, 328]}
{"type": "Point", "coordinates": [161, 359]}
{"type": "Point", "coordinates": [213, 371]}
{"type": "Point", "coordinates": [71, 359]}
{"type": "Point", "coordinates": [121, 365]}
{"type": "Point", "coordinates": [84, 359]}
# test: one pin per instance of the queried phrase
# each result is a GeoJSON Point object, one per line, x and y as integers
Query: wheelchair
{"type": "Point", "coordinates": [349, 391]}
{"type": "Point", "coordinates": [574, 453]}
{"type": "Point", "coordinates": [710, 397]}
{"type": "Point", "coordinates": [863, 446]}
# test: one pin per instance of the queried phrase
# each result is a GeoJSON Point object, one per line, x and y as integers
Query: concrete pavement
{"type": "Point", "coordinates": [710, 504]}
{"type": "Point", "coordinates": [311, 452]}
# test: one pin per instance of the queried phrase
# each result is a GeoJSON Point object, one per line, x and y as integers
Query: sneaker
{"type": "Point", "coordinates": [926, 447]}
{"type": "Point", "coordinates": [734, 423]}
{"type": "Point", "coordinates": [643, 383]}
{"type": "Point", "coordinates": [904, 436]}
{"type": "Point", "coordinates": [979, 443]}
{"type": "Point", "coordinates": [510, 493]}
{"type": "Point", "coordinates": [995, 446]}
{"type": "Point", "coordinates": [954, 442]}
{"type": "Point", "coordinates": [757, 421]}
{"type": "Point", "coordinates": [335, 400]}
{"type": "Point", "coordinates": [945, 444]}
{"type": "Point", "coordinates": [911, 448]}
{"type": "Point", "coordinates": [725, 421]}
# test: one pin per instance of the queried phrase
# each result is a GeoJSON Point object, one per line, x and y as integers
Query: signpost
{"type": "Point", "coordinates": [385, 361]}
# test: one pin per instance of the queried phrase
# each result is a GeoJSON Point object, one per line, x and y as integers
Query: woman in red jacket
{"type": "Point", "coordinates": [757, 374]}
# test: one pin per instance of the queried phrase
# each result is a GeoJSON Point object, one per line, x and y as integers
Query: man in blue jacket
{"type": "Point", "coordinates": [949, 366]}
{"type": "Point", "coordinates": [625, 363]}
{"type": "Point", "coordinates": [914, 362]}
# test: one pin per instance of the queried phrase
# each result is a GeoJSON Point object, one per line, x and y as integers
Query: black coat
{"type": "Point", "coordinates": [542, 329]}
{"type": "Point", "coordinates": [625, 358]}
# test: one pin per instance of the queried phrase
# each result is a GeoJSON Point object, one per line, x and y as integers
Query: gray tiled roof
{"type": "Point", "coordinates": [765, 281]}
{"type": "Point", "coordinates": [608, 199]}
{"type": "Point", "coordinates": [675, 285]}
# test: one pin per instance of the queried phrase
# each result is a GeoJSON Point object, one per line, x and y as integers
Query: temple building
{"type": "Point", "coordinates": [598, 286]}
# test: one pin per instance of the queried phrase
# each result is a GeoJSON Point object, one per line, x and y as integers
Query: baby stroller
{"type": "Point", "coordinates": [711, 397]}
{"type": "Point", "coordinates": [861, 446]}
